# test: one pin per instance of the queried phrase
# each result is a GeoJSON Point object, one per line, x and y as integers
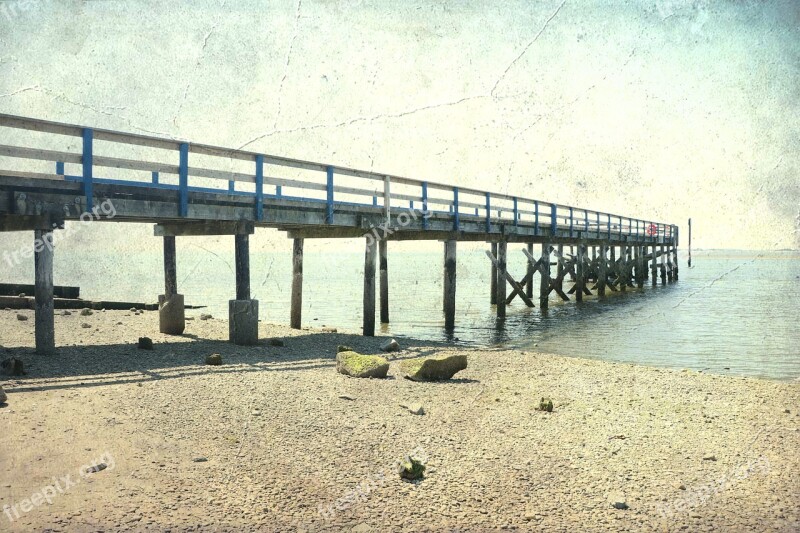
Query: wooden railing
{"type": "Point", "coordinates": [319, 182]}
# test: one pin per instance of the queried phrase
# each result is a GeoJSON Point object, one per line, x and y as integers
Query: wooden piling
{"type": "Point", "coordinates": [654, 266]}
{"type": "Point", "coordinates": [544, 283]}
{"type": "Point", "coordinates": [450, 284]}
{"type": "Point", "coordinates": [242, 244]}
{"type": "Point", "coordinates": [370, 255]}
{"type": "Point", "coordinates": [297, 284]}
{"type": "Point", "coordinates": [622, 271]}
{"type": "Point", "coordinates": [580, 273]}
{"type": "Point", "coordinates": [170, 268]}
{"type": "Point", "coordinates": [529, 274]}
{"type": "Point", "coordinates": [663, 268]}
{"type": "Point", "coordinates": [675, 263]}
{"type": "Point", "coordinates": [384, 272]}
{"type": "Point", "coordinates": [493, 278]}
{"type": "Point", "coordinates": [501, 279]}
{"type": "Point", "coordinates": [639, 251]}
{"type": "Point", "coordinates": [602, 271]}
{"type": "Point", "coordinates": [43, 292]}
{"type": "Point", "coordinates": [171, 312]}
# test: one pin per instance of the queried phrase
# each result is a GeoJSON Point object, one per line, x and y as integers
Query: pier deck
{"type": "Point", "coordinates": [52, 172]}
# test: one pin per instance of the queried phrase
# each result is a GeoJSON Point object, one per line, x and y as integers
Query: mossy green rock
{"type": "Point", "coordinates": [546, 404]}
{"type": "Point", "coordinates": [411, 469]}
{"type": "Point", "coordinates": [433, 368]}
{"type": "Point", "coordinates": [361, 366]}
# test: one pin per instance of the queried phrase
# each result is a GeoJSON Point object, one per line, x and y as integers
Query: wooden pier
{"type": "Point", "coordinates": [189, 189]}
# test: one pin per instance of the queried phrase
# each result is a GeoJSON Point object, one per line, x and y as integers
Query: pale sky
{"type": "Point", "coordinates": [662, 110]}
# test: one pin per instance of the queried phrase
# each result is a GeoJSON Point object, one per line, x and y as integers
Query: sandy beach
{"type": "Point", "coordinates": [275, 440]}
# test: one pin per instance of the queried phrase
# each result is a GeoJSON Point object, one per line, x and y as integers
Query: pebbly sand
{"type": "Point", "coordinates": [276, 440]}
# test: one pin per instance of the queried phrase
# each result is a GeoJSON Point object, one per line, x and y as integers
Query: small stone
{"type": "Point", "coordinates": [329, 330]}
{"type": "Point", "coordinates": [189, 318]}
{"type": "Point", "coordinates": [21, 317]}
{"type": "Point", "coordinates": [787, 411]}
{"type": "Point", "coordinates": [411, 469]}
{"type": "Point", "coordinates": [277, 342]}
{"type": "Point", "coordinates": [546, 405]}
{"type": "Point", "coordinates": [343, 348]}
{"type": "Point", "coordinates": [85, 325]}
{"type": "Point", "coordinates": [391, 346]}
{"type": "Point", "coordinates": [96, 468]}
{"type": "Point", "coordinates": [86, 312]}
{"type": "Point", "coordinates": [205, 316]}
{"type": "Point", "coordinates": [361, 528]}
{"type": "Point", "coordinates": [145, 343]}
{"type": "Point", "coordinates": [199, 460]}
{"type": "Point", "coordinates": [347, 397]}
{"type": "Point", "coordinates": [416, 409]}
{"type": "Point", "coordinates": [361, 366]}
{"type": "Point", "coordinates": [214, 359]}
{"type": "Point", "coordinates": [132, 309]}
{"type": "Point", "coordinates": [617, 501]}
{"type": "Point", "coordinates": [710, 458]}
{"type": "Point", "coordinates": [256, 412]}
{"type": "Point", "coordinates": [22, 295]}
{"type": "Point", "coordinates": [3, 396]}
{"type": "Point", "coordinates": [12, 367]}
{"type": "Point", "coordinates": [66, 313]}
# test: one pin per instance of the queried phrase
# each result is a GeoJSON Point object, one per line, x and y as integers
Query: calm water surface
{"type": "Point", "coordinates": [732, 313]}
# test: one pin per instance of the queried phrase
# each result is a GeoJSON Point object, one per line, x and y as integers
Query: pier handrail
{"type": "Point", "coordinates": [495, 208]}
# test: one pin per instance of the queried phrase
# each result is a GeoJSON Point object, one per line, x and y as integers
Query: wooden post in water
{"type": "Point", "coordinates": [602, 271]}
{"type": "Point", "coordinates": [544, 282]}
{"type": "Point", "coordinates": [297, 284]}
{"type": "Point", "coordinates": [384, 264]}
{"type": "Point", "coordinates": [654, 265]}
{"type": "Point", "coordinates": [623, 268]}
{"type": "Point", "coordinates": [369, 287]}
{"type": "Point", "coordinates": [493, 278]}
{"type": "Point", "coordinates": [501, 279]}
{"type": "Point", "coordinates": [573, 272]}
{"type": "Point", "coordinates": [450, 284]}
{"type": "Point", "coordinates": [639, 266]}
{"type": "Point", "coordinates": [43, 292]}
{"type": "Point", "coordinates": [580, 272]}
{"type": "Point", "coordinates": [663, 267]}
{"type": "Point", "coordinates": [675, 263]}
{"type": "Point", "coordinates": [171, 309]}
{"type": "Point", "coordinates": [529, 273]}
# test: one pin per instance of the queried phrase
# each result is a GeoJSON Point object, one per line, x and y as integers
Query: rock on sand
{"type": "Point", "coordinates": [361, 366]}
{"type": "Point", "coordinates": [433, 368]}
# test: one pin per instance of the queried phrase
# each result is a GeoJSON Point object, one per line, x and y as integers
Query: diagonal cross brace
{"type": "Point", "coordinates": [518, 289]}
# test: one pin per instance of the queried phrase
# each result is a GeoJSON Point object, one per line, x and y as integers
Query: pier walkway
{"type": "Point", "coordinates": [51, 173]}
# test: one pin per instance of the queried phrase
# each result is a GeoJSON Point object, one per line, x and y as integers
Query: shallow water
{"type": "Point", "coordinates": [734, 312]}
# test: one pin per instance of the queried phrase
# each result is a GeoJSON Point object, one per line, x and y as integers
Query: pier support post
{"type": "Point", "coordinates": [171, 308]}
{"type": "Point", "coordinates": [501, 279]}
{"type": "Point", "coordinates": [43, 292]}
{"type": "Point", "coordinates": [623, 268]}
{"type": "Point", "coordinates": [602, 271]}
{"type": "Point", "coordinates": [383, 255]}
{"type": "Point", "coordinates": [580, 273]}
{"type": "Point", "coordinates": [297, 284]}
{"type": "Point", "coordinates": [669, 264]}
{"type": "Point", "coordinates": [450, 284]}
{"type": "Point", "coordinates": [243, 312]}
{"type": "Point", "coordinates": [529, 273]}
{"type": "Point", "coordinates": [544, 282]}
{"type": "Point", "coordinates": [654, 266]}
{"type": "Point", "coordinates": [639, 252]}
{"type": "Point", "coordinates": [663, 268]}
{"type": "Point", "coordinates": [370, 255]}
{"type": "Point", "coordinates": [493, 278]}
{"type": "Point", "coordinates": [675, 263]}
